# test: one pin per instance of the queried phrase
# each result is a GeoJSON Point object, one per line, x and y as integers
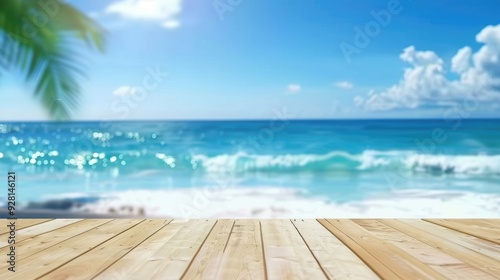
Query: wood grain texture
{"type": "Point", "coordinates": [492, 223]}
{"type": "Point", "coordinates": [206, 263]}
{"type": "Point", "coordinates": [46, 240]}
{"type": "Point", "coordinates": [471, 257]}
{"type": "Point", "coordinates": [435, 259]}
{"type": "Point", "coordinates": [34, 230]}
{"type": "Point", "coordinates": [470, 242]}
{"type": "Point", "coordinates": [37, 265]}
{"type": "Point", "coordinates": [134, 260]}
{"type": "Point", "coordinates": [337, 261]}
{"type": "Point", "coordinates": [173, 258]}
{"type": "Point", "coordinates": [95, 261]}
{"type": "Point", "coordinates": [472, 227]}
{"type": "Point", "coordinates": [372, 262]}
{"type": "Point", "coordinates": [255, 249]}
{"type": "Point", "coordinates": [400, 262]}
{"type": "Point", "coordinates": [243, 256]}
{"type": "Point", "coordinates": [286, 254]}
{"type": "Point", "coordinates": [21, 223]}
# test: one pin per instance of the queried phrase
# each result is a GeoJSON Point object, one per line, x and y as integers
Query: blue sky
{"type": "Point", "coordinates": [242, 59]}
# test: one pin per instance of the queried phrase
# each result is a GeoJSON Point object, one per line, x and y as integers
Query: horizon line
{"type": "Point", "coordinates": [247, 120]}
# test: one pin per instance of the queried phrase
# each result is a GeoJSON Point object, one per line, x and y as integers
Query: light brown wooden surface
{"type": "Point", "coordinates": [206, 262]}
{"type": "Point", "coordinates": [101, 257]}
{"type": "Point", "coordinates": [37, 229]}
{"type": "Point", "coordinates": [377, 266]}
{"type": "Point", "coordinates": [486, 230]}
{"type": "Point", "coordinates": [286, 254]}
{"type": "Point", "coordinates": [254, 249]}
{"type": "Point", "coordinates": [435, 259]}
{"type": "Point", "coordinates": [48, 260]}
{"type": "Point", "coordinates": [46, 240]}
{"type": "Point", "coordinates": [448, 247]}
{"type": "Point", "coordinates": [174, 257]}
{"type": "Point", "coordinates": [243, 255]}
{"type": "Point", "coordinates": [400, 262]}
{"type": "Point", "coordinates": [123, 268]}
{"type": "Point", "coordinates": [335, 258]}
{"type": "Point", "coordinates": [22, 223]}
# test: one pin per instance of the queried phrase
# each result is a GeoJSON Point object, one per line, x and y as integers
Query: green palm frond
{"type": "Point", "coordinates": [45, 47]}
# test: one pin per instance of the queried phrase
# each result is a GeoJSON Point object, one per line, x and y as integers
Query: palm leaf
{"type": "Point", "coordinates": [48, 54]}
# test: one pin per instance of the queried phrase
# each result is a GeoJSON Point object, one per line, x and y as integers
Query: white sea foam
{"type": "Point", "coordinates": [343, 161]}
{"type": "Point", "coordinates": [477, 164]}
{"type": "Point", "coordinates": [277, 202]}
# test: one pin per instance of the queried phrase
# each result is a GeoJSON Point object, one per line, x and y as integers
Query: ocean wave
{"type": "Point", "coordinates": [241, 163]}
{"type": "Point", "coordinates": [338, 161]}
{"type": "Point", "coordinates": [277, 202]}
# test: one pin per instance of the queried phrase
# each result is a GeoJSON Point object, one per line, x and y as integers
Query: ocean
{"type": "Point", "coordinates": [266, 169]}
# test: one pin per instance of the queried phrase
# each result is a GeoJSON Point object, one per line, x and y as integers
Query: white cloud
{"type": "Point", "coordinates": [124, 91]}
{"type": "Point", "coordinates": [294, 88]}
{"type": "Point", "coordinates": [461, 61]}
{"type": "Point", "coordinates": [164, 12]}
{"type": "Point", "coordinates": [344, 85]}
{"type": "Point", "coordinates": [171, 24]}
{"type": "Point", "coordinates": [425, 82]}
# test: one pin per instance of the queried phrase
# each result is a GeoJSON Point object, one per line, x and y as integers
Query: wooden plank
{"type": "Point", "coordinates": [206, 262]}
{"type": "Point", "coordinates": [36, 265]}
{"type": "Point", "coordinates": [99, 258]}
{"type": "Point", "coordinates": [473, 258]}
{"type": "Point", "coordinates": [334, 257]}
{"type": "Point", "coordinates": [37, 229]}
{"type": "Point", "coordinates": [378, 267]}
{"type": "Point", "coordinates": [43, 241]}
{"type": "Point", "coordinates": [173, 258]}
{"type": "Point", "coordinates": [473, 243]}
{"type": "Point", "coordinates": [243, 257]}
{"type": "Point", "coordinates": [285, 253]}
{"type": "Point", "coordinates": [226, 249]}
{"type": "Point", "coordinates": [485, 232]}
{"type": "Point", "coordinates": [397, 260]}
{"type": "Point", "coordinates": [437, 260]}
{"type": "Point", "coordinates": [21, 223]}
{"type": "Point", "coordinates": [134, 260]}
{"type": "Point", "coordinates": [489, 223]}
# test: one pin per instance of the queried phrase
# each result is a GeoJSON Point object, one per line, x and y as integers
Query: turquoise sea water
{"type": "Point", "coordinates": [162, 164]}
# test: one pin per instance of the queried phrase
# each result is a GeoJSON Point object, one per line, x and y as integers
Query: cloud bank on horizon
{"type": "Point", "coordinates": [425, 82]}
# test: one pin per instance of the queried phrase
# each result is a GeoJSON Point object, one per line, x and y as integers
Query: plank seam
{"type": "Point", "coordinates": [199, 248]}
{"type": "Point", "coordinates": [358, 255]}
{"type": "Point", "coordinates": [45, 274]}
{"type": "Point", "coordinates": [266, 277]}
{"type": "Point", "coordinates": [454, 255]}
{"type": "Point", "coordinates": [413, 260]}
{"type": "Point", "coordinates": [66, 238]}
{"type": "Point", "coordinates": [133, 248]}
{"type": "Point", "coordinates": [225, 246]}
{"type": "Point", "coordinates": [80, 220]}
{"type": "Point", "coordinates": [461, 231]}
{"type": "Point", "coordinates": [312, 253]}
{"type": "Point", "coordinates": [19, 228]}
{"type": "Point", "coordinates": [229, 237]}
{"type": "Point", "coordinates": [363, 249]}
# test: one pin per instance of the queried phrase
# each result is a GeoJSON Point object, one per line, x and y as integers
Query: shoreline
{"type": "Point", "coordinates": [33, 213]}
{"type": "Point", "coordinates": [264, 203]}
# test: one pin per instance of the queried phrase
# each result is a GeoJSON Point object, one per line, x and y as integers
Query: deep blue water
{"type": "Point", "coordinates": [341, 160]}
